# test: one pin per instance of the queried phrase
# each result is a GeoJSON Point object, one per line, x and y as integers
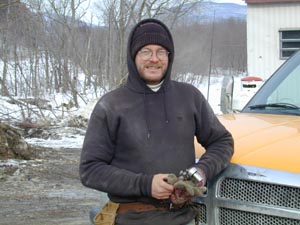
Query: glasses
{"type": "Point", "coordinates": [146, 54]}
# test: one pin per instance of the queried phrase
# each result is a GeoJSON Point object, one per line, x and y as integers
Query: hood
{"type": "Point", "coordinates": [134, 81]}
{"type": "Point", "coordinates": [264, 140]}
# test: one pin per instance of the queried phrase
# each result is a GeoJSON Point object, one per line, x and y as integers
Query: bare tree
{"type": "Point", "coordinates": [4, 31]}
{"type": "Point", "coordinates": [120, 15]}
{"type": "Point", "coordinates": [48, 37]}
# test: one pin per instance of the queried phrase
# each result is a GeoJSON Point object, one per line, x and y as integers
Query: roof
{"type": "Point", "coordinates": [270, 1]}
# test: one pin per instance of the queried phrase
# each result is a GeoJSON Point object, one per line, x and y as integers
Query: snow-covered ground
{"type": "Point", "coordinates": [73, 137]}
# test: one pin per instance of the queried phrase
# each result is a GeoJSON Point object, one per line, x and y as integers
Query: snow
{"type": "Point", "coordinates": [66, 142]}
{"type": "Point", "coordinates": [10, 163]}
{"type": "Point", "coordinates": [57, 114]}
{"type": "Point", "coordinates": [73, 138]}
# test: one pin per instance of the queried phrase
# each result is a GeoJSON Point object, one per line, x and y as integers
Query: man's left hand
{"type": "Point", "coordinates": [184, 190]}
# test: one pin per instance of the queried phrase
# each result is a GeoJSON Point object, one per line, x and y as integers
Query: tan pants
{"type": "Point", "coordinates": [107, 214]}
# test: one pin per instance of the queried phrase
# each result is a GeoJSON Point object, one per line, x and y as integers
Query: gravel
{"type": "Point", "coordinates": [46, 190]}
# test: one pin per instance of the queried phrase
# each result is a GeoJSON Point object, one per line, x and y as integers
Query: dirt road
{"type": "Point", "coordinates": [45, 191]}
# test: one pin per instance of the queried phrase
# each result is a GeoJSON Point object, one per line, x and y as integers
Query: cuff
{"type": "Point", "coordinates": [201, 172]}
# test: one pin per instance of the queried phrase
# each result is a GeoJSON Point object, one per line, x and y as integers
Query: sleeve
{"type": "Point", "coordinates": [95, 167]}
{"type": "Point", "coordinates": [214, 137]}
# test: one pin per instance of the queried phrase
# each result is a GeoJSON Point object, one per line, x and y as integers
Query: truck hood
{"type": "Point", "coordinates": [264, 140]}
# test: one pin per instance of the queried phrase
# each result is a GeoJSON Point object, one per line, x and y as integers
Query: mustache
{"type": "Point", "coordinates": [154, 64]}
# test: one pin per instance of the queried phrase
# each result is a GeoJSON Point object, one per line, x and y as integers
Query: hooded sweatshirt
{"type": "Point", "coordinates": [135, 133]}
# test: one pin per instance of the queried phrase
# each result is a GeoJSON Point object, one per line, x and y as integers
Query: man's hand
{"type": "Point", "coordinates": [160, 188]}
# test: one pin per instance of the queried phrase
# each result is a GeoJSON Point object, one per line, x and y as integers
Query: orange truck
{"type": "Point", "coordinates": [261, 186]}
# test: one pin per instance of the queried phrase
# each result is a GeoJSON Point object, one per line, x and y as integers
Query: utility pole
{"type": "Point", "coordinates": [211, 52]}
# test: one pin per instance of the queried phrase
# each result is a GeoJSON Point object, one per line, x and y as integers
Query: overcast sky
{"type": "Point", "coordinates": [241, 2]}
{"type": "Point", "coordinates": [90, 3]}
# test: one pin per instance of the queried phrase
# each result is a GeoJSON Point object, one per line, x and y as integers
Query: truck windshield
{"type": "Point", "coordinates": [281, 93]}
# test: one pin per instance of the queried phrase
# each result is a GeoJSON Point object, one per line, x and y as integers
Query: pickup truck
{"type": "Point", "coordinates": [261, 186]}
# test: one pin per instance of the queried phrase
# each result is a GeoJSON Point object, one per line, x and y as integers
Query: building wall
{"type": "Point", "coordinates": [263, 24]}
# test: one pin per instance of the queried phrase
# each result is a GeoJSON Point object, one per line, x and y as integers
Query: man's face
{"type": "Point", "coordinates": [152, 62]}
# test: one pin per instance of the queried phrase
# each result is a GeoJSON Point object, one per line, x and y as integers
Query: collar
{"type": "Point", "coordinates": [155, 87]}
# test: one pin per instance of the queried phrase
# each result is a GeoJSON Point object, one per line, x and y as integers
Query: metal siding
{"type": "Point", "coordinates": [263, 24]}
{"type": "Point", "coordinates": [269, 1]}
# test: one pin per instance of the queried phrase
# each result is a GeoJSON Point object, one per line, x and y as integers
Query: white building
{"type": "Point", "coordinates": [273, 34]}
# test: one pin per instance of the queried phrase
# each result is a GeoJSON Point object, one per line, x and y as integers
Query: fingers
{"type": "Point", "coordinates": [160, 188]}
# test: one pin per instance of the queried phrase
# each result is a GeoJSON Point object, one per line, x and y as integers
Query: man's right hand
{"type": "Point", "coordinates": [160, 188]}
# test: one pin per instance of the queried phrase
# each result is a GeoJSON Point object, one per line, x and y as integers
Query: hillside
{"type": "Point", "coordinates": [204, 11]}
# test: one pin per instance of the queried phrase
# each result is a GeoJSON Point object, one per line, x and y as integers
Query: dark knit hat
{"type": "Point", "coordinates": [150, 33]}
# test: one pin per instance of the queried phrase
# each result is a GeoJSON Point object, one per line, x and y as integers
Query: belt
{"type": "Point", "coordinates": [141, 207]}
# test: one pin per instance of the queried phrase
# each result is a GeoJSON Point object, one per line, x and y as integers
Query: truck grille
{"type": "Point", "coordinates": [236, 217]}
{"type": "Point", "coordinates": [202, 214]}
{"type": "Point", "coordinates": [260, 193]}
{"type": "Point", "coordinates": [247, 195]}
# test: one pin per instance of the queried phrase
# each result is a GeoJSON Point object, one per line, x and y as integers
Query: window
{"type": "Point", "coordinates": [289, 42]}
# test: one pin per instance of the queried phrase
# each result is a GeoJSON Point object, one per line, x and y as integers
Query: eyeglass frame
{"type": "Point", "coordinates": [159, 56]}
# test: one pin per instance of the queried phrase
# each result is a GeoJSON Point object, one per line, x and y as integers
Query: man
{"type": "Point", "coordinates": [143, 131]}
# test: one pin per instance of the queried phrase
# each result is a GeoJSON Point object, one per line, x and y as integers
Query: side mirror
{"type": "Point", "coordinates": [236, 92]}
{"type": "Point", "coordinates": [227, 95]}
